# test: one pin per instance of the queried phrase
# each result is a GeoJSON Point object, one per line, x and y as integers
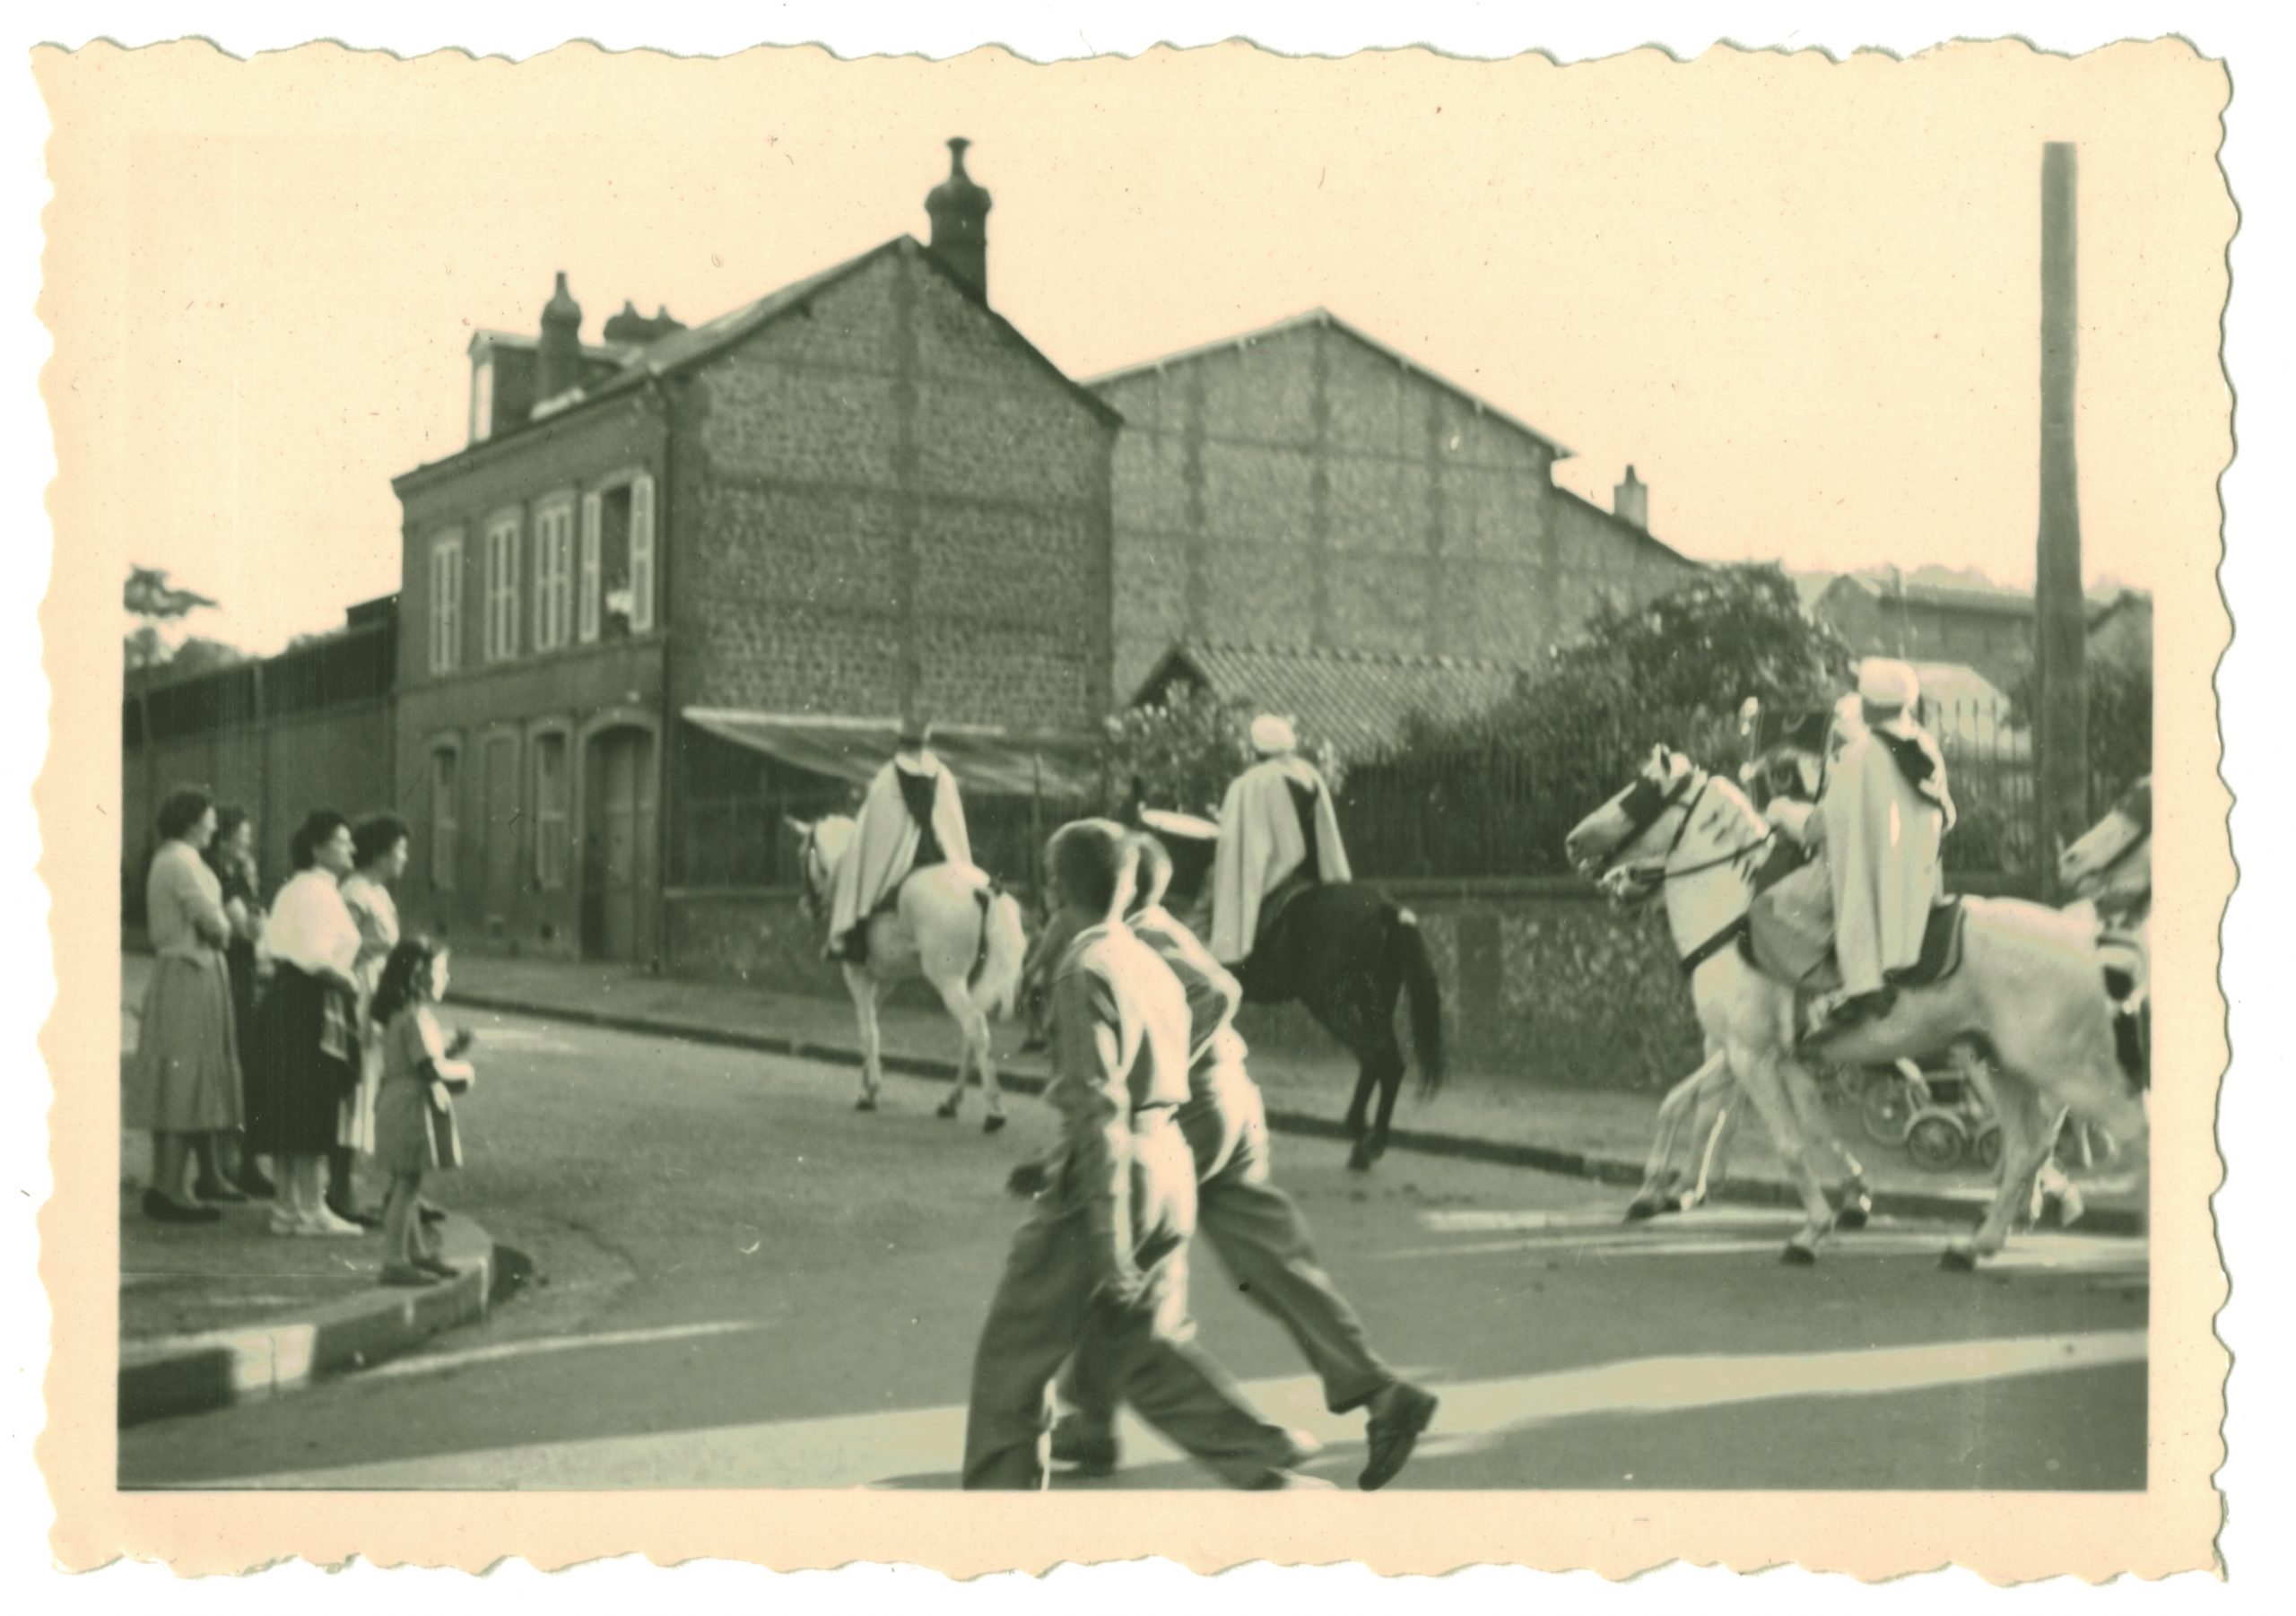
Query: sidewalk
{"type": "Point", "coordinates": [1585, 1132]}
{"type": "Point", "coordinates": [218, 1313]}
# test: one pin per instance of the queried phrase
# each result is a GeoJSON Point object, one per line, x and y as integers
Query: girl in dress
{"type": "Point", "coordinates": [414, 1108]}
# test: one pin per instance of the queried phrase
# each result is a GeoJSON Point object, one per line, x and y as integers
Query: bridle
{"type": "Point", "coordinates": [1642, 812]}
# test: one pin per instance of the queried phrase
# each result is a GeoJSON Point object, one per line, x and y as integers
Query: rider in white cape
{"type": "Point", "coordinates": [910, 819]}
{"type": "Point", "coordinates": [1878, 824]}
{"type": "Point", "coordinates": [1263, 840]}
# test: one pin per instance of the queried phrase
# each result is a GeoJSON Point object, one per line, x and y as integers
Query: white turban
{"type": "Point", "coordinates": [1881, 683]}
{"type": "Point", "coordinates": [1272, 736]}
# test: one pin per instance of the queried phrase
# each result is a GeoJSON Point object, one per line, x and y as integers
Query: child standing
{"type": "Point", "coordinates": [414, 1108]}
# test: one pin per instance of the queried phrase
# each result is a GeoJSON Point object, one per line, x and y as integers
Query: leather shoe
{"type": "Point", "coordinates": [1398, 1421]}
{"type": "Point", "coordinates": [352, 1215]}
{"type": "Point", "coordinates": [217, 1191]}
{"type": "Point", "coordinates": [1072, 1443]}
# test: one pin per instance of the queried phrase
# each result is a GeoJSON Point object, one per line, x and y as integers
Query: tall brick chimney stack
{"type": "Point", "coordinates": [1630, 501]}
{"type": "Point", "coordinates": [959, 210]}
{"type": "Point", "coordinates": [560, 357]}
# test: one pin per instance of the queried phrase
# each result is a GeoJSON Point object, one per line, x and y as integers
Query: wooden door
{"type": "Point", "coordinates": [621, 831]}
{"type": "Point", "coordinates": [501, 826]}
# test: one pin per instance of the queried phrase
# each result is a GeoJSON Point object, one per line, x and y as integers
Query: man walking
{"type": "Point", "coordinates": [1110, 1233]}
{"type": "Point", "coordinates": [1256, 1229]}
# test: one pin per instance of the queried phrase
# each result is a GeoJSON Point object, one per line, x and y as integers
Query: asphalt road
{"type": "Point", "coordinates": [740, 1281]}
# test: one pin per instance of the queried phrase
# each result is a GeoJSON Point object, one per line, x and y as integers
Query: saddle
{"type": "Point", "coordinates": [1940, 958]}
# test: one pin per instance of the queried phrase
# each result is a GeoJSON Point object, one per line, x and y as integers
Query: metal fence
{"type": "Point", "coordinates": [1503, 808]}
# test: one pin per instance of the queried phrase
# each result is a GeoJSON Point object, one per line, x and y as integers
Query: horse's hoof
{"type": "Point", "coordinates": [1957, 1260]}
{"type": "Point", "coordinates": [868, 1102]}
{"type": "Point", "coordinates": [1856, 1214]}
{"type": "Point", "coordinates": [1798, 1256]}
{"type": "Point", "coordinates": [1640, 1210]}
{"type": "Point", "coordinates": [995, 1123]}
{"type": "Point", "coordinates": [1359, 1160]}
{"type": "Point", "coordinates": [946, 1113]}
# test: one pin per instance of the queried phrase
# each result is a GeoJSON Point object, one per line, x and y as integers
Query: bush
{"type": "Point", "coordinates": [1183, 751]}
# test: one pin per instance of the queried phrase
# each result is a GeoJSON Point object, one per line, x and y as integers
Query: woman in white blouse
{"type": "Point", "coordinates": [183, 1084]}
{"type": "Point", "coordinates": [309, 1059]}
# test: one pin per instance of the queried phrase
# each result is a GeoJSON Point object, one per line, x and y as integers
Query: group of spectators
{"type": "Point", "coordinates": [263, 1039]}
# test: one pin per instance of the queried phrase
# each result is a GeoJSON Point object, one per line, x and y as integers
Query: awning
{"type": "Point", "coordinates": [987, 761]}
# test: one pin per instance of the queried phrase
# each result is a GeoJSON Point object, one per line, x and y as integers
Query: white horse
{"type": "Point", "coordinates": [951, 925]}
{"type": "Point", "coordinates": [2030, 987]}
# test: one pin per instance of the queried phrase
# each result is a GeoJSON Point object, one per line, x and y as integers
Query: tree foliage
{"type": "Point", "coordinates": [1184, 750]}
{"type": "Point", "coordinates": [1675, 670]}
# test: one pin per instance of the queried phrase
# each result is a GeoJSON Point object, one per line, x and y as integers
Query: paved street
{"type": "Point", "coordinates": [739, 1282]}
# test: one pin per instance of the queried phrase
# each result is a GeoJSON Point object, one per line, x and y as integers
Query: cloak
{"type": "Point", "coordinates": [1262, 841]}
{"type": "Point", "coordinates": [1882, 835]}
{"type": "Point", "coordinates": [886, 836]}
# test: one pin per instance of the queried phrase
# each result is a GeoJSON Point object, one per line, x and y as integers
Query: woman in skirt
{"type": "Point", "coordinates": [378, 851]}
{"type": "Point", "coordinates": [308, 1064]}
{"type": "Point", "coordinates": [414, 1108]}
{"type": "Point", "coordinates": [231, 856]}
{"type": "Point", "coordinates": [183, 1085]}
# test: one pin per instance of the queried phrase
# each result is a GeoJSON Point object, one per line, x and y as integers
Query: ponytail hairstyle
{"type": "Point", "coordinates": [405, 979]}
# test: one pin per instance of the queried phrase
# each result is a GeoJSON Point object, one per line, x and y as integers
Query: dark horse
{"type": "Point", "coordinates": [1344, 953]}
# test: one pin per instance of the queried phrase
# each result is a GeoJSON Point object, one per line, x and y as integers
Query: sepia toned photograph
{"type": "Point", "coordinates": [1142, 778]}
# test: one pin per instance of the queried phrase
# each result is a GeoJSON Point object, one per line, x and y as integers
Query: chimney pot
{"type": "Point", "coordinates": [1630, 501]}
{"type": "Point", "coordinates": [560, 358]}
{"type": "Point", "coordinates": [959, 210]}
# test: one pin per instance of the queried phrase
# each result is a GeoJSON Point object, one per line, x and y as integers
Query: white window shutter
{"type": "Point", "coordinates": [511, 575]}
{"type": "Point", "coordinates": [593, 523]}
{"type": "Point", "coordinates": [641, 555]}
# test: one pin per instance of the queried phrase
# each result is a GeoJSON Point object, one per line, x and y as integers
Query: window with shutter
{"type": "Point", "coordinates": [502, 589]}
{"type": "Point", "coordinates": [641, 555]}
{"type": "Point", "coordinates": [593, 523]}
{"type": "Point", "coordinates": [446, 602]}
{"type": "Point", "coordinates": [554, 576]}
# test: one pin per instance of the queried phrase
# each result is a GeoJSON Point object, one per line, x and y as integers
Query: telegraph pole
{"type": "Point", "coordinates": [2061, 625]}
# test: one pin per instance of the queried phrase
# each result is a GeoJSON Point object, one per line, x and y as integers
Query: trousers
{"type": "Point", "coordinates": [1048, 1294]}
{"type": "Point", "coordinates": [1262, 1240]}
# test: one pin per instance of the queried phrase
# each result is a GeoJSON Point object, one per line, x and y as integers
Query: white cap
{"type": "Point", "coordinates": [1881, 683]}
{"type": "Point", "coordinates": [1272, 736]}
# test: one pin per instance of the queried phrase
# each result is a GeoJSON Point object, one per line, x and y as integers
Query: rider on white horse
{"type": "Point", "coordinates": [1277, 828]}
{"type": "Point", "coordinates": [1876, 827]}
{"type": "Point", "coordinates": [911, 820]}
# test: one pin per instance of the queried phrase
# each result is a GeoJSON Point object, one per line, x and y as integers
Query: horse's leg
{"type": "Point", "coordinates": [2050, 1184]}
{"type": "Point", "coordinates": [1659, 1177]}
{"type": "Point", "coordinates": [1712, 1159]}
{"type": "Point", "coordinates": [976, 1052]}
{"type": "Point", "coordinates": [1854, 1205]}
{"type": "Point", "coordinates": [2025, 1142]}
{"type": "Point", "coordinates": [1761, 1071]}
{"type": "Point", "coordinates": [863, 986]}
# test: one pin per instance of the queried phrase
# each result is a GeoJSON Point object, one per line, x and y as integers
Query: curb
{"type": "Point", "coordinates": [1946, 1205]}
{"type": "Point", "coordinates": [192, 1374]}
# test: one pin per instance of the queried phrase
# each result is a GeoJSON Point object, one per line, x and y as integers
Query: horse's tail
{"type": "Point", "coordinates": [1407, 950]}
{"type": "Point", "coordinates": [995, 978]}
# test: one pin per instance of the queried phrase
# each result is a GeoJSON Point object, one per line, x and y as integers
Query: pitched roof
{"type": "Point", "coordinates": [1988, 598]}
{"type": "Point", "coordinates": [1358, 700]}
{"type": "Point", "coordinates": [1325, 318]}
{"type": "Point", "coordinates": [680, 349]}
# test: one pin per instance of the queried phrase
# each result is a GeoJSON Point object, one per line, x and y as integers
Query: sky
{"type": "Point", "coordinates": [1801, 297]}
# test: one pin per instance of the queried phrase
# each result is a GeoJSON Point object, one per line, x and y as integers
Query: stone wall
{"type": "Point", "coordinates": [889, 485]}
{"type": "Point", "coordinates": [1303, 488]}
{"type": "Point", "coordinates": [1542, 981]}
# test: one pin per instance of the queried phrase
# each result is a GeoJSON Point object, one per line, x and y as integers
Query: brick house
{"type": "Point", "coordinates": [1978, 626]}
{"type": "Point", "coordinates": [1307, 486]}
{"type": "Point", "coordinates": [685, 579]}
